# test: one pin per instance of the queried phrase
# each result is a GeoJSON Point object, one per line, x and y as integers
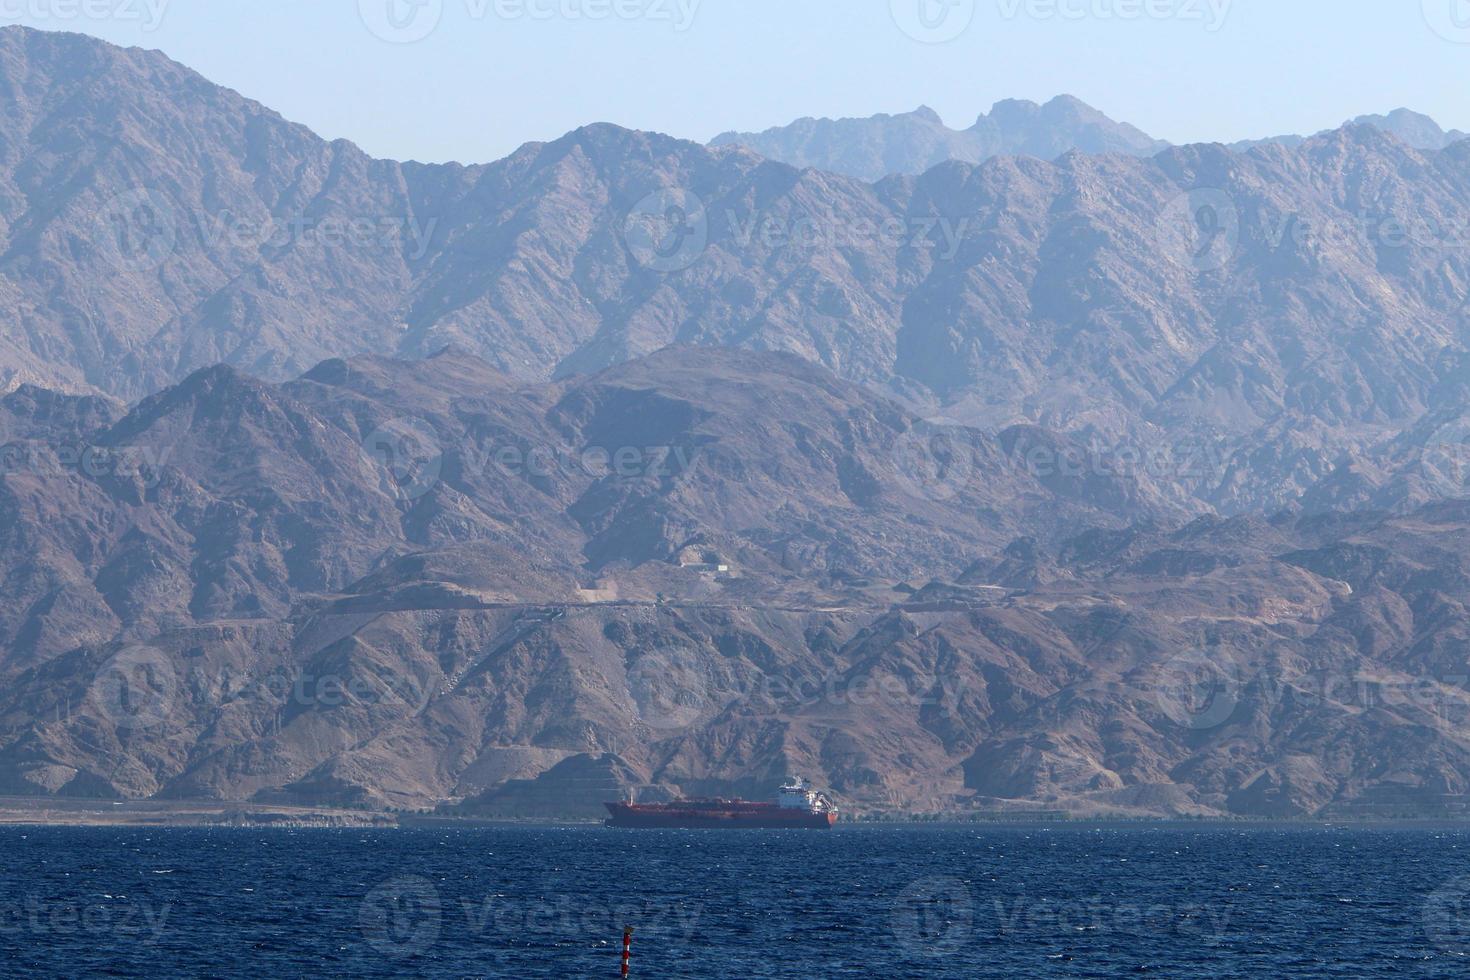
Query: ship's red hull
{"type": "Point", "coordinates": [716, 815]}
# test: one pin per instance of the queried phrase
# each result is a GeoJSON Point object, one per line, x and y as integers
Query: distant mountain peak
{"type": "Point", "coordinates": [1407, 126]}
{"type": "Point", "coordinates": [1014, 105]}
{"type": "Point", "coordinates": [1057, 106]}
{"type": "Point", "coordinates": [877, 146]}
{"type": "Point", "coordinates": [1065, 101]}
{"type": "Point", "coordinates": [1414, 128]}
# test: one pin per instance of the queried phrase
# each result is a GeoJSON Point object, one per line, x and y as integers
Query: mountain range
{"type": "Point", "coordinates": [912, 143]}
{"type": "Point", "coordinates": [915, 142]}
{"type": "Point", "coordinates": [627, 463]}
{"type": "Point", "coordinates": [514, 552]}
{"type": "Point", "coordinates": [1326, 312]}
{"type": "Point", "coordinates": [394, 584]}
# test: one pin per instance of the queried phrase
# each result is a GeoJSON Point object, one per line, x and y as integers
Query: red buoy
{"type": "Point", "coordinates": [627, 947]}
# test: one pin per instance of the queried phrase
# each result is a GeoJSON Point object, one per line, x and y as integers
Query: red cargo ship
{"type": "Point", "coordinates": [797, 806]}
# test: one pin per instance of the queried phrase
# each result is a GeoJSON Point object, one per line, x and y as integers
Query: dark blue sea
{"type": "Point", "coordinates": [1172, 902]}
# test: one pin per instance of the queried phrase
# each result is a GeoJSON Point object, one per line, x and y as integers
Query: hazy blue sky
{"type": "Point", "coordinates": [492, 74]}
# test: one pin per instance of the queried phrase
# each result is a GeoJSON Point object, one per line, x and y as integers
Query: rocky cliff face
{"type": "Point", "coordinates": [1272, 311]}
{"type": "Point", "coordinates": [237, 538]}
{"type": "Point", "coordinates": [1107, 484]}
{"type": "Point", "coordinates": [395, 583]}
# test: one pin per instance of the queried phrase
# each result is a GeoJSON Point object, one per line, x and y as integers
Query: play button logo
{"type": "Point", "coordinates": [401, 21]}
{"type": "Point", "coordinates": [933, 21]}
{"type": "Point", "coordinates": [1450, 19]}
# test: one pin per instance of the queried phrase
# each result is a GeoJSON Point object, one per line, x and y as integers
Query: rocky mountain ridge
{"type": "Point", "coordinates": [1106, 483]}
{"type": "Point", "coordinates": [912, 143]}
{"type": "Point", "coordinates": [428, 584]}
{"type": "Point", "coordinates": [1273, 311]}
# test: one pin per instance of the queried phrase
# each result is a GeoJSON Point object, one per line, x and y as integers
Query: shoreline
{"type": "Point", "coordinates": [27, 812]}
{"type": "Point", "coordinates": [50, 813]}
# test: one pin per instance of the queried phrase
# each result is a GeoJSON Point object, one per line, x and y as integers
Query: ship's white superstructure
{"type": "Point", "coordinates": [797, 794]}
